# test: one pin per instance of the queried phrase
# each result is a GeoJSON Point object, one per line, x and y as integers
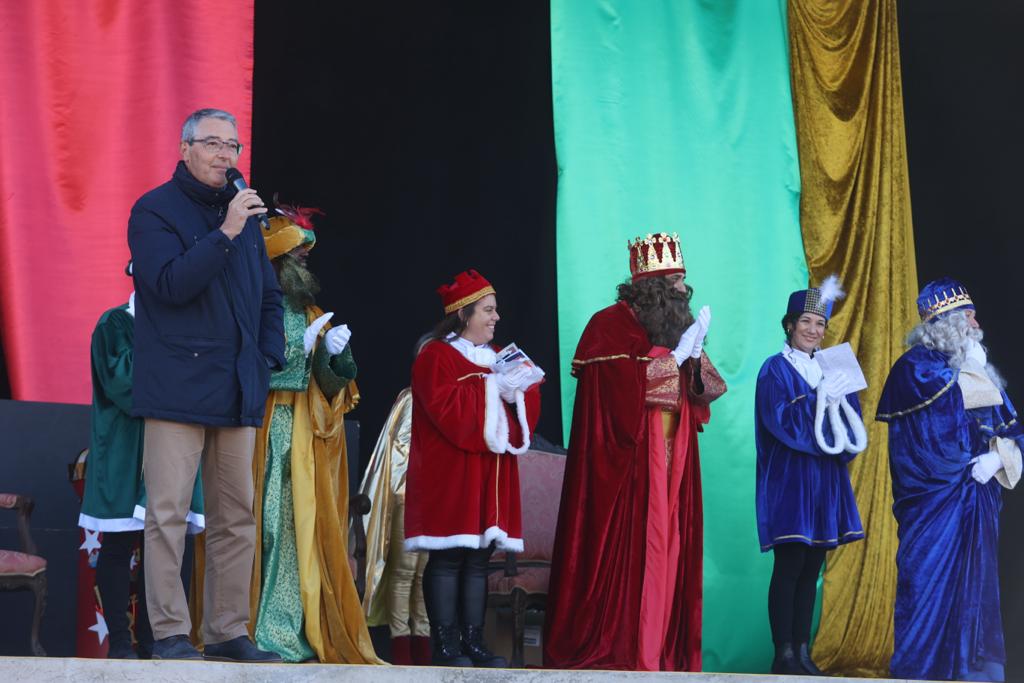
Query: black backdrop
{"type": "Point", "coordinates": [963, 92]}
{"type": "Point", "coordinates": [424, 130]}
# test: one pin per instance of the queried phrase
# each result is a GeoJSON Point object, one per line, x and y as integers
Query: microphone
{"type": "Point", "coordinates": [234, 176]}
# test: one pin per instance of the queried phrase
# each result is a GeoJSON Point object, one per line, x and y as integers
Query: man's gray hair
{"type": "Point", "coordinates": [188, 130]}
{"type": "Point", "coordinates": [951, 335]}
{"type": "Point", "coordinates": [948, 334]}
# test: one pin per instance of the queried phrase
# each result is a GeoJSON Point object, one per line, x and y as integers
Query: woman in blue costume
{"type": "Point", "coordinates": [805, 504]}
{"type": "Point", "coordinates": [954, 440]}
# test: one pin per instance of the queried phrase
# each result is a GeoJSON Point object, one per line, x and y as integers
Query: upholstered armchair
{"type": "Point", "coordinates": [520, 581]}
{"type": "Point", "coordinates": [24, 570]}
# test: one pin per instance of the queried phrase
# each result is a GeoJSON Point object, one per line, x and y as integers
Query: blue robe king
{"type": "Point", "coordinates": [954, 443]}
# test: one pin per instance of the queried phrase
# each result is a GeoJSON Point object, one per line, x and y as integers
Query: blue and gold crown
{"type": "Point", "coordinates": [942, 296]}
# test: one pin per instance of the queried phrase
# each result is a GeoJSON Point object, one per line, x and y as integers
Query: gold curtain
{"type": "Point", "coordinates": [856, 222]}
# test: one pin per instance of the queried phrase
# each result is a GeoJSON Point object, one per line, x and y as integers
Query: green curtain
{"type": "Point", "coordinates": [677, 116]}
{"type": "Point", "coordinates": [855, 212]}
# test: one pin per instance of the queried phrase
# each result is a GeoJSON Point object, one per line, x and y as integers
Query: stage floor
{"type": "Point", "coordinates": [26, 669]}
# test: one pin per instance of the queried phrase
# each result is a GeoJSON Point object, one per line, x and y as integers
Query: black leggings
{"type": "Point", "coordinates": [455, 586]}
{"type": "Point", "coordinates": [792, 591]}
{"type": "Point", "coordinates": [113, 575]}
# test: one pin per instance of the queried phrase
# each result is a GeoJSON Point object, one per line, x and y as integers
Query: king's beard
{"type": "Point", "coordinates": [298, 284]}
{"type": "Point", "coordinates": [663, 311]}
{"type": "Point", "coordinates": [666, 323]}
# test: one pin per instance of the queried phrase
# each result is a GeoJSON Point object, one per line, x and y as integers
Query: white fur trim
{"type": "Point", "coordinates": [195, 523]}
{"type": "Point", "coordinates": [497, 535]}
{"type": "Point", "coordinates": [494, 417]}
{"type": "Point", "coordinates": [112, 525]}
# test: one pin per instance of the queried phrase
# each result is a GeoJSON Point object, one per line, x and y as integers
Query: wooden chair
{"type": "Point", "coordinates": [24, 570]}
{"type": "Point", "coordinates": [520, 580]}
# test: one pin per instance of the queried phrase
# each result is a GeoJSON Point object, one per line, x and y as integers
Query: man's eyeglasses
{"type": "Point", "coordinates": [214, 145]}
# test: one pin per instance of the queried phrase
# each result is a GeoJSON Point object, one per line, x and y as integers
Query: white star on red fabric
{"type": "Point", "coordinates": [91, 542]}
{"type": "Point", "coordinates": [100, 627]}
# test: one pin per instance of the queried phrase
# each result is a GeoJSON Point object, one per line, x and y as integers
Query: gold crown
{"type": "Point", "coordinates": [947, 300]}
{"type": "Point", "coordinates": [654, 254]}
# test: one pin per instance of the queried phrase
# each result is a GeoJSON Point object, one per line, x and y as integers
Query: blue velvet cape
{"type": "Point", "coordinates": [803, 495]}
{"type": "Point", "coordinates": [947, 621]}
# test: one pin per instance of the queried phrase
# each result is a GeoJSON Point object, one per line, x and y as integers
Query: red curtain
{"type": "Point", "coordinates": [92, 97]}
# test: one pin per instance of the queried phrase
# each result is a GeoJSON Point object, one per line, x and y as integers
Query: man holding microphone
{"type": "Point", "coordinates": [208, 332]}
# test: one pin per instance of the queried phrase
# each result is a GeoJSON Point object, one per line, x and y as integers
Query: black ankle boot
{"type": "Point", "coordinates": [473, 646]}
{"type": "Point", "coordinates": [786, 661]}
{"type": "Point", "coordinates": [803, 654]}
{"type": "Point", "coordinates": [448, 647]}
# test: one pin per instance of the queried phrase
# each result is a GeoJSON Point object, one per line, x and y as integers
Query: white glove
{"type": "Point", "coordinates": [311, 333]}
{"type": "Point", "coordinates": [508, 382]}
{"type": "Point", "coordinates": [336, 339]}
{"type": "Point", "coordinates": [704, 320]}
{"type": "Point", "coordinates": [835, 385]}
{"type": "Point", "coordinates": [985, 466]}
{"type": "Point", "coordinates": [686, 342]}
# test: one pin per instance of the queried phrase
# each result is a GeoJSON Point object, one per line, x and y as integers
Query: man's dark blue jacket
{"type": "Point", "coordinates": [208, 321]}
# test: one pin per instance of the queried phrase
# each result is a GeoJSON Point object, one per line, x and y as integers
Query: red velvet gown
{"type": "Point", "coordinates": [626, 584]}
{"type": "Point", "coordinates": [458, 492]}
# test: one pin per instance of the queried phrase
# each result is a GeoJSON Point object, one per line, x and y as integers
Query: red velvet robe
{"type": "Point", "coordinates": [625, 590]}
{"type": "Point", "coordinates": [459, 493]}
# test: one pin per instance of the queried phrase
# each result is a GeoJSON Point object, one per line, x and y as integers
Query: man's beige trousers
{"type": "Point", "coordinates": [172, 454]}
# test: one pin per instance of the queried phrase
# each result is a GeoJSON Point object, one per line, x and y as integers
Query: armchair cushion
{"type": "Point", "coordinates": [21, 564]}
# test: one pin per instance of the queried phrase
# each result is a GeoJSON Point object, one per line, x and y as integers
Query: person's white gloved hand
{"type": "Point", "coordinates": [977, 353]}
{"type": "Point", "coordinates": [985, 466]}
{"type": "Point", "coordinates": [836, 385]}
{"type": "Point", "coordinates": [336, 339]}
{"type": "Point", "coordinates": [311, 333]}
{"type": "Point", "coordinates": [686, 342]}
{"type": "Point", "coordinates": [509, 381]}
{"type": "Point", "coordinates": [704, 320]}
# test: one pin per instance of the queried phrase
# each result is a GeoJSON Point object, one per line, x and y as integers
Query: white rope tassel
{"type": "Point", "coordinates": [839, 431]}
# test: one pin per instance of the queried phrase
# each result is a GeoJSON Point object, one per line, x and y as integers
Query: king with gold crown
{"type": "Point", "coordinates": [630, 530]}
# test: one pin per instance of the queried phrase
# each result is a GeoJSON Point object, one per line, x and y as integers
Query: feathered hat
{"type": "Point", "coordinates": [817, 300]}
{"type": "Point", "coordinates": [293, 228]}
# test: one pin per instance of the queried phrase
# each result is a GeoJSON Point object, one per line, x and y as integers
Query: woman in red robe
{"type": "Point", "coordinates": [625, 590]}
{"type": "Point", "coordinates": [469, 422]}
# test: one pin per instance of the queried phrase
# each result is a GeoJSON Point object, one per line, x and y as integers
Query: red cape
{"type": "Point", "coordinates": [595, 616]}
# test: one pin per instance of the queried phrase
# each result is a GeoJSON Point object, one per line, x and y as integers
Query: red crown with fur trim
{"type": "Point", "coordinates": [469, 286]}
{"type": "Point", "coordinates": [656, 255]}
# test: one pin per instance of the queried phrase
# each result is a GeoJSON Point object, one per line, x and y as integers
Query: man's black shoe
{"type": "Point", "coordinates": [239, 649]}
{"type": "Point", "coordinates": [175, 647]}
